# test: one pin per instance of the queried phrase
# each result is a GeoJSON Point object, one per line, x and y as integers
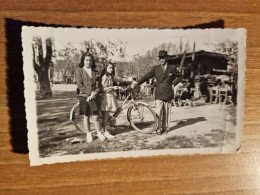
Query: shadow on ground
{"type": "Point", "coordinates": [54, 137]}
{"type": "Point", "coordinates": [187, 122]}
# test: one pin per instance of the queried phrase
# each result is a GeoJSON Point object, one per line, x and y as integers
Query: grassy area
{"type": "Point", "coordinates": [203, 126]}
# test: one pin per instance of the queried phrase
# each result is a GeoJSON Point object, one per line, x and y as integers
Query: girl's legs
{"type": "Point", "coordinates": [96, 122]}
{"type": "Point", "coordinates": [87, 128]}
{"type": "Point", "coordinates": [106, 117]}
{"type": "Point", "coordinates": [98, 127]}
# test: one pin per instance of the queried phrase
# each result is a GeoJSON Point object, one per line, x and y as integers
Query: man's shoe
{"type": "Point", "coordinates": [89, 137]}
{"type": "Point", "coordinates": [164, 131]}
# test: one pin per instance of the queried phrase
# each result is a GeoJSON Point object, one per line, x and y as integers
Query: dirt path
{"type": "Point", "coordinates": [199, 127]}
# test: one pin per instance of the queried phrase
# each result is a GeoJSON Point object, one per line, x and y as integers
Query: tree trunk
{"type": "Point", "coordinates": [41, 65]}
{"type": "Point", "coordinates": [45, 87]}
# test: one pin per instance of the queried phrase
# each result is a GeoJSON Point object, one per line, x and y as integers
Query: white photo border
{"type": "Point", "coordinates": [31, 114]}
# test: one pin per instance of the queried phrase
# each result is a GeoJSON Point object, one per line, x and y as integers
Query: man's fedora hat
{"type": "Point", "coordinates": [162, 54]}
{"type": "Point", "coordinates": [111, 61]}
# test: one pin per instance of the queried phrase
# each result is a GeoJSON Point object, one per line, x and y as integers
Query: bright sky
{"type": "Point", "coordinates": [139, 41]}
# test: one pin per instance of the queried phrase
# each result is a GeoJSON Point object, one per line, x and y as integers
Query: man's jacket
{"type": "Point", "coordinates": [164, 81]}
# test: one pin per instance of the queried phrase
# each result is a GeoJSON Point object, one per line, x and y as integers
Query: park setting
{"type": "Point", "coordinates": [203, 104]}
{"type": "Point", "coordinates": [208, 125]}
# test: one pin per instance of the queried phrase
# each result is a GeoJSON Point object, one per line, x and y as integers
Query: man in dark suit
{"type": "Point", "coordinates": [166, 76]}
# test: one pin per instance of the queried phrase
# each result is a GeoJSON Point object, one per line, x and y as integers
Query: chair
{"type": "Point", "coordinates": [213, 95]}
{"type": "Point", "coordinates": [177, 98]}
{"type": "Point", "coordinates": [225, 96]}
{"type": "Point", "coordinates": [197, 96]}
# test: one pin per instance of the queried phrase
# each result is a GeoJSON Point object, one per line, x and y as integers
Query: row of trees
{"type": "Point", "coordinates": [143, 63]}
{"type": "Point", "coordinates": [65, 60]}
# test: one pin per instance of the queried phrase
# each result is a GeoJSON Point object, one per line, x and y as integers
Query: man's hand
{"type": "Point", "coordinates": [90, 98]}
{"type": "Point", "coordinates": [134, 84]}
{"type": "Point", "coordinates": [115, 87]}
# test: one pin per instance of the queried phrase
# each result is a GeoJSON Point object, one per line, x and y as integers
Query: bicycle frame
{"type": "Point", "coordinates": [134, 106]}
{"type": "Point", "coordinates": [123, 106]}
{"type": "Point", "coordinates": [118, 111]}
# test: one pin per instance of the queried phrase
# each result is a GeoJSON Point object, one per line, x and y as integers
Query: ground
{"type": "Point", "coordinates": [206, 125]}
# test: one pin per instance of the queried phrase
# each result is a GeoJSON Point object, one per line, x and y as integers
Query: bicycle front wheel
{"type": "Point", "coordinates": [142, 118]}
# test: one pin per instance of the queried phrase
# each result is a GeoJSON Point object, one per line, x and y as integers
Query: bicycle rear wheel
{"type": "Point", "coordinates": [78, 119]}
{"type": "Point", "coordinates": [142, 118]}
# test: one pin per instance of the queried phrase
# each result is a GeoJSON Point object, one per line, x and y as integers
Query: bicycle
{"type": "Point", "coordinates": [139, 115]}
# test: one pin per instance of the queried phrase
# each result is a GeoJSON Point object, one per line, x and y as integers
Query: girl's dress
{"type": "Point", "coordinates": [108, 98]}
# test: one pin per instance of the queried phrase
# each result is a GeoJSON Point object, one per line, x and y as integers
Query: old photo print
{"type": "Point", "coordinates": [94, 93]}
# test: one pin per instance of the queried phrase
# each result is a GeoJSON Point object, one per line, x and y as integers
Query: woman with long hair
{"type": "Point", "coordinates": [87, 83]}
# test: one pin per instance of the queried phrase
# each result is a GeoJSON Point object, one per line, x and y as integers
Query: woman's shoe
{"type": "Point", "coordinates": [101, 136]}
{"type": "Point", "coordinates": [164, 131]}
{"type": "Point", "coordinates": [159, 131]}
{"type": "Point", "coordinates": [108, 135]}
{"type": "Point", "coordinates": [89, 137]}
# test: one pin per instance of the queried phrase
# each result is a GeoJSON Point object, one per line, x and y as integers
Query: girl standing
{"type": "Point", "coordinates": [108, 98]}
{"type": "Point", "coordinates": [86, 77]}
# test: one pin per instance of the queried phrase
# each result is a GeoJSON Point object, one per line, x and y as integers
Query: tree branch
{"type": "Point", "coordinates": [48, 57]}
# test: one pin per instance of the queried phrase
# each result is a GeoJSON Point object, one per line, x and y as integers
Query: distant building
{"type": "Point", "coordinates": [204, 63]}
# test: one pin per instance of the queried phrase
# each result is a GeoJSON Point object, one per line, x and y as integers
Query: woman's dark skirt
{"type": "Point", "coordinates": [88, 108]}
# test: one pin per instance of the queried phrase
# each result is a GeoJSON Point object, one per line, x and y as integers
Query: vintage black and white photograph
{"type": "Point", "coordinates": [94, 93]}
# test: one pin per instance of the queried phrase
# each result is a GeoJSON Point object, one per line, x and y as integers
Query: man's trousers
{"type": "Point", "coordinates": [163, 110]}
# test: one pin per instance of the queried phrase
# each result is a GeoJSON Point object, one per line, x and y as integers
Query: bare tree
{"type": "Point", "coordinates": [102, 51]}
{"type": "Point", "coordinates": [67, 59]}
{"type": "Point", "coordinates": [41, 65]}
{"type": "Point", "coordinates": [230, 49]}
{"type": "Point", "coordinates": [143, 63]}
